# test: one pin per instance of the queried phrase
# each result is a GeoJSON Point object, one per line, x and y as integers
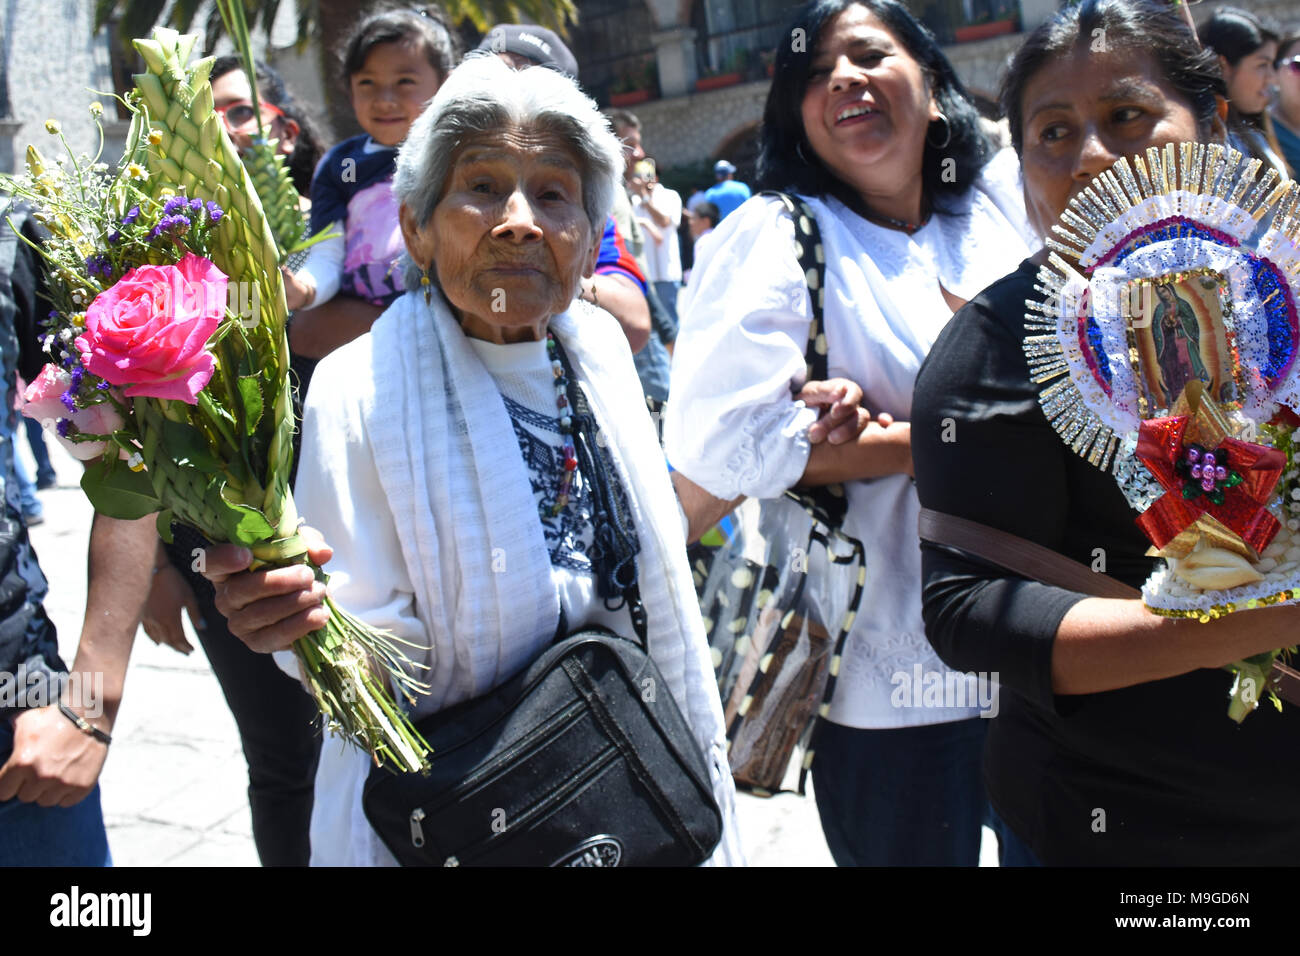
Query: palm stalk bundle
{"type": "Point", "coordinates": [171, 365]}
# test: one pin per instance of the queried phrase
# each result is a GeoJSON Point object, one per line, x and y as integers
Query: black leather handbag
{"type": "Point", "coordinates": [582, 759]}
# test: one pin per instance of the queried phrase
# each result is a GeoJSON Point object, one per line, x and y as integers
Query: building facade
{"type": "Point", "coordinates": [696, 72]}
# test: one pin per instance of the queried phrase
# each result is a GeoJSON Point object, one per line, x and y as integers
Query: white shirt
{"type": "Point", "coordinates": [733, 428]}
{"type": "Point", "coordinates": [663, 256]}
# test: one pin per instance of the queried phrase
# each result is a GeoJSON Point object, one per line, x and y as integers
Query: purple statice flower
{"type": "Point", "coordinates": [114, 237]}
{"type": "Point", "coordinates": [174, 205]}
{"type": "Point", "coordinates": [99, 265]}
{"type": "Point", "coordinates": [132, 215]}
{"type": "Point", "coordinates": [215, 212]}
{"type": "Point", "coordinates": [196, 206]}
{"type": "Point", "coordinates": [78, 374]}
{"type": "Point", "coordinates": [62, 427]}
{"type": "Point", "coordinates": [178, 225]}
{"type": "Point", "coordinates": [68, 400]}
{"type": "Point", "coordinates": [102, 386]}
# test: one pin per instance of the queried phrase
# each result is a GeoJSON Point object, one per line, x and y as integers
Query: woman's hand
{"type": "Point", "coordinates": [843, 418]}
{"type": "Point", "coordinates": [269, 610]}
{"type": "Point", "coordinates": [297, 293]}
{"type": "Point", "coordinates": [161, 617]}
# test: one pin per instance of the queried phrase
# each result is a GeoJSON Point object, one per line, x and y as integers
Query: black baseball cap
{"type": "Point", "coordinates": [538, 44]}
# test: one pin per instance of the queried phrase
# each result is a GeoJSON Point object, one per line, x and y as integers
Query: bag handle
{"type": "Point", "coordinates": [1037, 563]}
{"type": "Point", "coordinates": [1024, 557]}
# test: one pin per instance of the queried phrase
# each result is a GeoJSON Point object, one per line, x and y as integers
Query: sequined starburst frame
{"type": "Point", "coordinates": [1167, 321]}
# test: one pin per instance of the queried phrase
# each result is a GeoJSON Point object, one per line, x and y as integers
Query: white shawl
{"type": "Point", "coordinates": [412, 472]}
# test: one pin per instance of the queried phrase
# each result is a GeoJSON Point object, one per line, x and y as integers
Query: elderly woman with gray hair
{"type": "Point", "coordinates": [438, 451]}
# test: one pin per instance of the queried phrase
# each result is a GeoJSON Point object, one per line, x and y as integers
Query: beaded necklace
{"type": "Point", "coordinates": [560, 371]}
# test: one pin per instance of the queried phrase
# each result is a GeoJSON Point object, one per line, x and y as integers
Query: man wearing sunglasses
{"type": "Point", "coordinates": [1286, 109]}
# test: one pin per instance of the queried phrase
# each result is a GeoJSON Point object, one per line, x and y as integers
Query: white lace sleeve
{"type": "Point", "coordinates": [731, 425]}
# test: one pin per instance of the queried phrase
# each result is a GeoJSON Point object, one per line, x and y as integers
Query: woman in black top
{"type": "Point", "coordinates": [1112, 744]}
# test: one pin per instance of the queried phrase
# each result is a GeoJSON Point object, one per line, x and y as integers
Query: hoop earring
{"type": "Point", "coordinates": [798, 149]}
{"type": "Point", "coordinates": [947, 133]}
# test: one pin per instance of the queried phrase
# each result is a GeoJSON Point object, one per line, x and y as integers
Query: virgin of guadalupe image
{"type": "Point", "coordinates": [1177, 339]}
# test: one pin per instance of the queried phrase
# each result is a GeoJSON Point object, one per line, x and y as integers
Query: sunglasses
{"type": "Point", "coordinates": [1292, 64]}
{"type": "Point", "coordinates": [240, 116]}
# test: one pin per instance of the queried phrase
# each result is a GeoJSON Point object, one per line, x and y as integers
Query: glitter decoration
{"type": "Point", "coordinates": [1169, 294]}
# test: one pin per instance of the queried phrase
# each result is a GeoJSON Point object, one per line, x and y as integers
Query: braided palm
{"type": "Point", "coordinates": [344, 662]}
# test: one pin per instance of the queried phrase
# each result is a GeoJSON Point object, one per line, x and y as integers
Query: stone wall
{"type": "Point", "coordinates": [687, 129]}
{"type": "Point", "coordinates": [51, 62]}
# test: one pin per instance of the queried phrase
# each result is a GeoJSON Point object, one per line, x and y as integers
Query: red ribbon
{"type": "Point", "coordinates": [1160, 447]}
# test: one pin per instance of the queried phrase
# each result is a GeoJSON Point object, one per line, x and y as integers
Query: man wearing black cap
{"type": "Point", "coordinates": [526, 45]}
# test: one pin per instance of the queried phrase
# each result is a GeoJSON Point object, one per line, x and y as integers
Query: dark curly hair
{"type": "Point", "coordinates": [1138, 25]}
{"type": "Point", "coordinates": [308, 148]}
{"type": "Point", "coordinates": [784, 143]}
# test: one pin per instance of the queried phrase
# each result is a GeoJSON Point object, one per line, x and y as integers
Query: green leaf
{"type": "Point", "coordinates": [1191, 491]}
{"type": "Point", "coordinates": [165, 525]}
{"type": "Point", "coordinates": [1234, 479]}
{"type": "Point", "coordinates": [242, 524]}
{"type": "Point", "coordinates": [119, 492]}
{"type": "Point", "coordinates": [186, 446]}
{"type": "Point", "coordinates": [251, 391]}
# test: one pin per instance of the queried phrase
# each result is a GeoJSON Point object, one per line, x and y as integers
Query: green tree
{"type": "Point", "coordinates": [138, 17]}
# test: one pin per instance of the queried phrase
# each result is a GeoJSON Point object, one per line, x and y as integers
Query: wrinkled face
{"type": "Point", "coordinates": [509, 238]}
{"type": "Point", "coordinates": [1250, 82]}
{"type": "Point", "coordinates": [1083, 112]}
{"type": "Point", "coordinates": [232, 96]}
{"type": "Point", "coordinates": [868, 104]}
{"type": "Point", "coordinates": [1288, 78]}
{"type": "Point", "coordinates": [391, 89]}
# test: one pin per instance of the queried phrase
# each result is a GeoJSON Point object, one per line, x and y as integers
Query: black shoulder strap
{"type": "Point", "coordinates": [826, 503]}
{"type": "Point", "coordinates": [812, 259]}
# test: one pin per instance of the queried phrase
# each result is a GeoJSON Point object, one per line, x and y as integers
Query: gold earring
{"type": "Point", "coordinates": [427, 284]}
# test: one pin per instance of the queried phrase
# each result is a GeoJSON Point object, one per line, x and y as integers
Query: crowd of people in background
{"type": "Point", "coordinates": [704, 301]}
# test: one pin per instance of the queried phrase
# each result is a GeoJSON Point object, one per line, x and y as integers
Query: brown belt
{"type": "Point", "coordinates": [1037, 563]}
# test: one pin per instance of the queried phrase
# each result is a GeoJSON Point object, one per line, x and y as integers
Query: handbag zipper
{"type": "Point", "coordinates": [557, 723]}
{"type": "Point", "coordinates": [572, 786]}
{"type": "Point", "coordinates": [528, 742]}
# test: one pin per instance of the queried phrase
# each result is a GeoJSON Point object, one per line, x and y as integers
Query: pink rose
{"type": "Point", "coordinates": [43, 401]}
{"type": "Point", "coordinates": [150, 331]}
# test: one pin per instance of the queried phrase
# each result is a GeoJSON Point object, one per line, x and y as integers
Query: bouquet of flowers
{"type": "Point", "coordinates": [1166, 344]}
{"type": "Point", "coordinates": [170, 363]}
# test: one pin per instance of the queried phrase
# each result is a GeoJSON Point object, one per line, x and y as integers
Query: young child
{"type": "Point", "coordinates": [395, 62]}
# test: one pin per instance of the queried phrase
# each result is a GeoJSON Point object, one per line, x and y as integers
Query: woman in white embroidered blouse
{"type": "Point", "coordinates": [438, 456]}
{"type": "Point", "coordinates": [872, 127]}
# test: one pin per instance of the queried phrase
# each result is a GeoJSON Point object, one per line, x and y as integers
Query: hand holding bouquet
{"type": "Point", "coordinates": [170, 364]}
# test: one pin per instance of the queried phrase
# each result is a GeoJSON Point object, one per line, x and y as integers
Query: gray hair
{"type": "Point", "coordinates": [482, 95]}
